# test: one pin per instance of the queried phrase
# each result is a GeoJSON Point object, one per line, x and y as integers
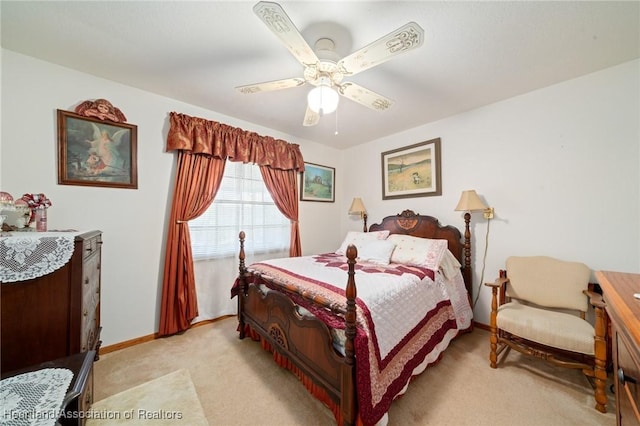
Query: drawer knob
{"type": "Point", "coordinates": [623, 378]}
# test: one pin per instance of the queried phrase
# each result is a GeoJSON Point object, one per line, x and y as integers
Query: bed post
{"type": "Point", "coordinates": [243, 286]}
{"type": "Point", "coordinates": [466, 272]}
{"type": "Point", "coordinates": [348, 397]}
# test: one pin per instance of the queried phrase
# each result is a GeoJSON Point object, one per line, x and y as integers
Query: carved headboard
{"type": "Point", "coordinates": [410, 223]}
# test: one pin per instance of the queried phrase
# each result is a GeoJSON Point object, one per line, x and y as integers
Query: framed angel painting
{"type": "Point", "coordinates": [94, 152]}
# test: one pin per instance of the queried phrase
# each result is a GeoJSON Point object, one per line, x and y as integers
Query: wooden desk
{"type": "Point", "coordinates": [624, 311]}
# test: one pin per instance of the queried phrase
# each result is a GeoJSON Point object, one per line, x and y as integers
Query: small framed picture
{"type": "Point", "coordinates": [317, 183]}
{"type": "Point", "coordinates": [412, 171]}
{"type": "Point", "coordinates": [92, 152]}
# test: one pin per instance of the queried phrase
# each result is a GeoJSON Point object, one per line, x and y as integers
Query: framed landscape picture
{"type": "Point", "coordinates": [317, 183]}
{"type": "Point", "coordinates": [412, 171]}
{"type": "Point", "coordinates": [93, 152]}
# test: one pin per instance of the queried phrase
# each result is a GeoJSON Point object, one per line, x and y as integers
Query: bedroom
{"type": "Point", "coordinates": [582, 204]}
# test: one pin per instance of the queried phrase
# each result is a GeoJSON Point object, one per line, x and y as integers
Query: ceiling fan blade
{"type": "Point", "coordinates": [405, 38]}
{"type": "Point", "coordinates": [271, 85]}
{"type": "Point", "coordinates": [311, 118]}
{"type": "Point", "coordinates": [364, 96]}
{"type": "Point", "coordinates": [279, 23]}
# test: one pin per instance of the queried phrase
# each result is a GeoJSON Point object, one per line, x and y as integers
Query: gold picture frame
{"type": "Point", "coordinates": [93, 152]}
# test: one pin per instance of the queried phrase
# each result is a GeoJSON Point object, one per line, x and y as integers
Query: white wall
{"type": "Point", "coordinates": [133, 221]}
{"type": "Point", "coordinates": [559, 165]}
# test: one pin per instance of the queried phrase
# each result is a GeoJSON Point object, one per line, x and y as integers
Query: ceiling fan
{"type": "Point", "coordinates": [323, 68]}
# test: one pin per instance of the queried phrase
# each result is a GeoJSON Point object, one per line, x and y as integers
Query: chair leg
{"type": "Point", "coordinates": [600, 390]}
{"type": "Point", "coordinates": [493, 338]}
{"type": "Point", "coordinates": [600, 367]}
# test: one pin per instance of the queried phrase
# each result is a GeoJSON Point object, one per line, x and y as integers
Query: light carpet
{"type": "Point", "coordinates": [239, 384]}
{"type": "Point", "coordinates": [167, 400]}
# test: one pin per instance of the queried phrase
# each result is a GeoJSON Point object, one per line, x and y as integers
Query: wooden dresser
{"type": "Point", "coordinates": [624, 311]}
{"type": "Point", "coordinates": [55, 315]}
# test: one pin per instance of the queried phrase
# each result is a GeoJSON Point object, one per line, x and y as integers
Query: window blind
{"type": "Point", "coordinates": [242, 204]}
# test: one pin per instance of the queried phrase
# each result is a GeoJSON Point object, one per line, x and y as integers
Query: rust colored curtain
{"type": "Point", "coordinates": [198, 179]}
{"type": "Point", "coordinates": [282, 185]}
{"type": "Point", "coordinates": [203, 147]}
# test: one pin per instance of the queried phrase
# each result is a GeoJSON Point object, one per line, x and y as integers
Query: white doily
{"type": "Point", "coordinates": [23, 257]}
{"type": "Point", "coordinates": [34, 398]}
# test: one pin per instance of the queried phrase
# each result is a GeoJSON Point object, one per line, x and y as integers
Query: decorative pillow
{"type": "Point", "coordinates": [376, 251]}
{"type": "Point", "coordinates": [358, 238]}
{"type": "Point", "coordinates": [418, 251]}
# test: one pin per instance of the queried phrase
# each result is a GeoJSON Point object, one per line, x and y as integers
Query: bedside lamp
{"type": "Point", "coordinates": [357, 207]}
{"type": "Point", "coordinates": [470, 202]}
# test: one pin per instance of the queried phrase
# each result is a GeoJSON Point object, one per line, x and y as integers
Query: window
{"type": "Point", "coordinates": [241, 204]}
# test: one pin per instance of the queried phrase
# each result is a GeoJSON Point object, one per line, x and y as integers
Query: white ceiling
{"type": "Point", "coordinates": [474, 54]}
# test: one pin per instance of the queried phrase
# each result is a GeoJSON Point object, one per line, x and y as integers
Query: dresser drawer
{"type": "Point", "coordinates": [628, 386]}
{"type": "Point", "coordinates": [623, 310]}
{"type": "Point", "coordinates": [90, 316]}
{"type": "Point", "coordinates": [91, 245]}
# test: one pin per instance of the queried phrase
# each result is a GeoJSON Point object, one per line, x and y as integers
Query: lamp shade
{"type": "Point", "coordinates": [323, 99]}
{"type": "Point", "coordinates": [469, 201]}
{"type": "Point", "coordinates": [357, 206]}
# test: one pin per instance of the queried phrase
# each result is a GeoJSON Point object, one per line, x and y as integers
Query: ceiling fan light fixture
{"type": "Point", "coordinates": [322, 99]}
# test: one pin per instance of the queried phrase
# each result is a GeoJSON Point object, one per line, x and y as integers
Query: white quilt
{"type": "Point", "coordinates": [396, 302]}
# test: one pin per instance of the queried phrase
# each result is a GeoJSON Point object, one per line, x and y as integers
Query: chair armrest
{"type": "Point", "coordinates": [595, 299]}
{"type": "Point", "coordinates": [499, 282]}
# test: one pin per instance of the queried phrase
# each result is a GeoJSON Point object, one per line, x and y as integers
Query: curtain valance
{"type": "Point", "coordinates": [222, 141]}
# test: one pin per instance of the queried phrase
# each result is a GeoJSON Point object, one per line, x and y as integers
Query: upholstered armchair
{"type": "Point", "coordinates": [538, 308]}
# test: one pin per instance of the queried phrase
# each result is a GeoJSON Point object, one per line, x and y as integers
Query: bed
{"type": "Point", "coordinates": [357, 348]}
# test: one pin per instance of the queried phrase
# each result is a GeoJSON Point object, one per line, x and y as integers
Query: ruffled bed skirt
{"type": "Point", "coordinates": [318, 392]}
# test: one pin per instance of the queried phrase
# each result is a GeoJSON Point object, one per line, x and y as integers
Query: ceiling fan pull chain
{"type": "Point", "coordinates": [336, 132]}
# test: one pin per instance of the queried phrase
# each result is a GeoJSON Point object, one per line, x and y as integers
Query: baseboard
{"type": "Point", "coordinates": [127, 343]}
{"type": "Point", "coordinates": [482, 326]}
{"type": "Point", "coordinates": [150, 337]}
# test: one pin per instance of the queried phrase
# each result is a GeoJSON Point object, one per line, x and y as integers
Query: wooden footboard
{"type": "Point", "coordinates": [303, 339]}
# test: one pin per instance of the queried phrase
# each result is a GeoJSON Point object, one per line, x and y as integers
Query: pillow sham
{"type": "Point", "coordinates": [358, 238]}
{"type": "Point", "coordinates": [376, 251]}
{"type": "Point", "coordinates": [417, 251]}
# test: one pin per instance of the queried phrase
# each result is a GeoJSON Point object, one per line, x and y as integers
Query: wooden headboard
{"type": "Point", "coordinates": [410, 223]}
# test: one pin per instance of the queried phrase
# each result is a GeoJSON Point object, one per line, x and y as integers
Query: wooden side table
{"type": "Point", "coordinates": [79, 396]}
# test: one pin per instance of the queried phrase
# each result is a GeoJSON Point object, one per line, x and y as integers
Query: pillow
{"type": "Point", "coordinates": [358, 238]}
{"type": "Point", "coordinates": [417, 251]}
{"type": "Point", "coordinates": [376, 251]}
